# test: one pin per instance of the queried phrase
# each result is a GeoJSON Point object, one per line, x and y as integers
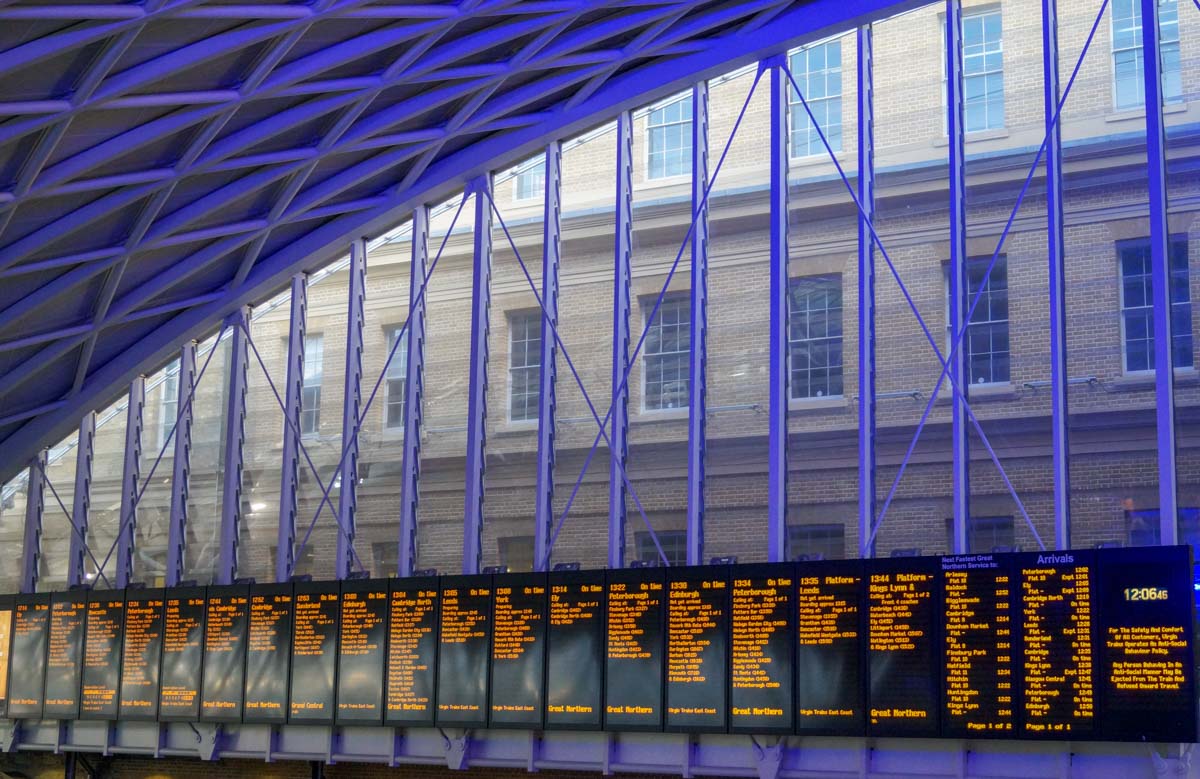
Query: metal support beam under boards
{"type": "Point", "coordinates": [1056, 251]}
{"type": "Point", "coordinates": [866, 293]}
{"type": "Point", "coordinates": [957, 275]}
{"type": "Point", "coordinates": [351, 408]}
{"type": "Point", "coordinates": [181, 467]}
{"type": "Point", "coordinates": [1160, 259]}
{"type": "Point", "coordinates": [622, 281]}
{"type": "Point", "coordinates": [777, 443]}
{"type": "Point", "coordinates": [698, 350]}
{"type": "Point", "coordinates": [238, 324]}
{"type": "Point", "coordinates": [293, 392]}
{"type": "Point", "coordinates": [85, 455]}
{"type": "Point", "coordinates": [414, 390]}
{"type": "Point", "coordinates": [548, 372]}
{"type": "Point", "coordinates": [131, 479]}
{"type": "Point", "coordinates": [481, 300]}
{"type": "Point", "coordinates": [35, 509]}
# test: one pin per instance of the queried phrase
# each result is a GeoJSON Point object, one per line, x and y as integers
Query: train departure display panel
{"type": "Point", "coordinates": [829, 647]}
{"type": "Point", "coordinates": [64, 654]}
{"type": "Point", "coordinates": [633, 670]}
{"type": "Point", "coordinates": [314, 653]}
{"type": "Point", "coordinates": [762, 604]}
{"type": "Point", "coordinates": [6, 621]}
{"type": "Point", "coordinates": [182, 654]}
{"type": "Point", "coordinates": [103, 632]}
{"type": "Point", "coordinates": [412, 648]}
{"type": "Point", "coordinates": [902, 650]}
{"type": "Point", "coordinates": [226, 622]}
{"type": "Point", "coordinates": [141, 655]}
{"type": "Point", "coordinates": [361, 649]}
{"type": "Point", "coordinates": [575, 651]}
{"type": "Point", "coordinates": [518, 651]}
{"type": "Point", "coordinates": [27, 668]}
{"type": "Point", "coordinates": [697, 650]}
{"type": "Point", "coordinates": [268, 653]}
{"type": "Point", "coordinates": [464, 645]}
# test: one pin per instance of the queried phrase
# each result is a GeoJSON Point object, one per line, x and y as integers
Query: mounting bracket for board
{"type": "Point", "coordinates": [768, 759]}
{"type": "Point", "coordinates": [208, 736]}
{"type": "Point", "coordinates": [1171, 759]}
{"type": "Point", "coordinates": [535, 751]}
{"type": "Point", "coordinates": [456, 750]}
{"type": "Point", "coordinates": [689, 755]}
{"type": "Point", "coordinates": [8, 735]}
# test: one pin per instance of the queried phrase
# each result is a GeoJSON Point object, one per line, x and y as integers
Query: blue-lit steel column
{"type": "Point", "coordinates": [1160, 258]}
{"type": "Point", "coordinates": [866, 292]}
{"type": "Point", "coordinates": [414, 388]}
{"type": "Point", "coordinates": [351, 408]}
{"type": "Point", "coordinates": [618, 444]}
{"type": "Point", "coordinates": [957, 274]}
{"type": "Point", "coordinates": [481, 300]}
{"type": "Point", "coordinates": [35, 508]}
{"type": "Point", "coordinates": [81, 509]}
{"type": "Point", "coordinates": [698, 351]}
{"type": "Point", "coordinates": [181, 468]}
{"type": "Point", "coordinates": [130, 481]}
{"type": "Point", "coordinates": [777, 444]}
{"type": "Point", "coordinates": [293, 392]}
{"type": "Point", "coordinates": [1055, 251]}
{"type": "Point", "coordinates": [235, 438]}
{"type": "Point", "coordinates": [548, 372]}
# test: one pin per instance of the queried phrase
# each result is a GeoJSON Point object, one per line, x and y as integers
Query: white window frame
{"type": "Point", "coordinates": [312, 357]}
{"type": "Point", "coordinates": [513, 318]}
{"type": "Point", "coordinates": [967, 14]}
{"type": "Point", "coordinates": [1171, 242]}
{"type": "Point", "coordinates": [397, 369]}
{"type": "Point", "coordinates": [168, 396]}
{"type": "Point", "coordinates": [650, 127]}
{"type": "Point", "coordinates": [792, 396]}
{"type": "Point", "coordinates": [647, 325]}
{"type": "Point", "coordinates": [535, 167]}
{"type": "Point", "coordinates": [1001, 261]}
{"type": "Point", "coordinates": [794, 100]}
{"type": "Point", "coordinates": [1114, 51]}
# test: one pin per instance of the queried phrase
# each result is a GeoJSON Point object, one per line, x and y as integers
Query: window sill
{"type": "Point", "coordinates": [1144, 380]}
{"type": "Point", "coordinates": [652, 416]}
{"type": "Point", "coordinates": [983, 393]}
{"type": "Point", "coordinates": [665, 181]}
{"type": "Point", "coordinates": [979, 135]}
{"type": "Point", "coordinates": [1131, 114]}
{"type": "Point", "coordinates": [829, 403]}
{"type": "Point", "coordinates": [520, 428]}
{"type": "Point", "coordinates": [816, 160]}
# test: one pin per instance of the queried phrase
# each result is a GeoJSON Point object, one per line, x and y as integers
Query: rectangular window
{"type": "Point", "coordinates": [530, 180]}
{"type": "Point", "coordinates": [1128, 66]}
{"type": "Point", "coordinates": [987, 331]}
{"type": "Point", "coordinates": [168, 406]}
{"type": "Point", "coordinates": [1137, 304]}
{"type": "Point", "coordinates": [394, 386]}
{"type": "Point", "coordinates": [673, 542]}
{"type": "Point", "coordinates": [516, 552]}
{"type": "Point", "coordinates": [665, 363]}
{"type": "Point", "coordinates": [818, 72]}
{"type": "Point", "coordinates": [524, 364]}
{"type": "Point", "coordinates": [385, 558]}
{"type": "Point", "coordinates": [310, 398]}
{"type": "Point", "coordinates": [669, 139]}
{"type": "Point", "coordinates": [1142, 528]}
{"type": "Point", "coordinates": [983, 72]}
{"type": "Point", "coordinates": [984, 534]}
{"type": "Point", "coordinates": [815, 337]}
{"type": "Point", "coordinates": [816, 542]}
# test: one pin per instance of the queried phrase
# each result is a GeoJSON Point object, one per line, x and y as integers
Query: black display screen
{"type": "Point", "coordinates": [518, 650]}
{"type": "Point", "coordinates": [464, 643]}
{"type": "Point", "coordinates": [141, 655]}
{"type": "Point", "coordinates": [1147, 687]}
{"type": "Point", "coordinates": [697, 649]}
{"type": "Point", "coordinates": [362, 649]}
{"type": "Point", "coordinates": [902, 651]}
{"type": "Point", "coordinates": [182, 654]}
{"type": "Point", "coordinates": [830, 599]}
{"type": "Point", "coordinates": [762, 646]}
{"type": "Point", "coordinates": [64, 655]}
{"type": "Point", "coordinates": [268, 654]}
{"type": "Point", "coordinates": [101, 679]}
{"type": "Point", "coordinates": [27, 669]}
{"type": "Point", "coordinates": [575, 650]}
{"type": "Point", "coordinates": [314, 653]}
{"type": "Point", "coordinates": [633, 664]}
{"type": "Point", "coordinates": [412, 651]}
{"type": "Point", "coordinates": [6, 624]}
{"type": "Point", "coordinates": [226, 618]}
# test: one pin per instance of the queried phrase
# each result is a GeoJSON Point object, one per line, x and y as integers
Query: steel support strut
{"type": "Point", "coordinates": [351, 404]}
{"type": "Point", "coordinates": [777, 443]}
{"type": "Point", "coordinates": [235, 435]}
{"type": "Point", "coordinates": [181, 466]}
{"type": "Point", "coordinates": [548, 370]}
{"type": "Point", "coordinates": [289, 479]}
{"type": "Point", "coordinates": [35, 509]}
{"type": "Point", "coordinates": [481, 298]}
{"type": "Point", "coordinates": [130, 482]}
{"type": "Point", "coordinates": [414, 388]}
{"type": "Point", "coordinates": [618, 449]}
{"type": "Point", "coordinates": [1160, 258]}
{"type": "Point", "coordinates": [81, 509]}
{"type": "Point", "coordinates": [866, 293]}
{"type": "Point", "coordinates": [698, 349]}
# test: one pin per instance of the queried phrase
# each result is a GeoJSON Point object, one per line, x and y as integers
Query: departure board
{"type": "Point", "coordinates": [314, 653]}
{"type": "Point", "coordinates": [978, 650]}
{"type": "Point", "coordinates": [1057, 653]}
{"type": "Point", "coordinates": [902, 650]}
{"type": "Point", "coordinates": [829, 648]}
{"type": "Point", "coordinates": [464, 643]}
{"type": "Point", "coordinates": [64, 654]}
{"type": "Point", "coordinates": [141, 655]}
{"type": "Point", "coordinates": [412, 651]}
{"type": "Point", "coordinates": [268, 654]}
{"type": "Point", "coordinates": [697, 649]}
{"type": "Point", "coordinates": [101, 678]}
{"type": "Point", "coordinates": [182, 654]}
{"type": "Point", "coordinates": [6, 621]}
{"type": "Point", "coordinates": [226, 622]}
{"type": "Point", "coordinates": [1148, 690]}
{"type": "Point", "coordinates": [575, 651]}
{"type": "Point", "coordinates": [633, 672]}
{"type": "Point", "coordinates": [27, 669]}
{"type": "Point", "coordinates": [762, 645]}
{"type": "Point", "coordinates": [518, 651]}
{"type": "Point", "coordinates": [362, 649]}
